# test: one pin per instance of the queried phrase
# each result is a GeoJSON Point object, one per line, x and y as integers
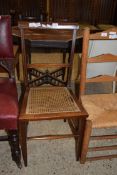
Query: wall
{"type": "Point", "coordinates": [83, 11]}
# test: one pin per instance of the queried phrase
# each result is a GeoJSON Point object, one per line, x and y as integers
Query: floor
{"type": "Point", "coordinates": [53, 157]}
{"type": "Point", "coordinates": [56, 157]}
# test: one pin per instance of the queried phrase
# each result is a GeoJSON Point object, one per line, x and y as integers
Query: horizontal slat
{"type": "Point", "coordinates": [101, 157]}
{"type": "Point", "coordinates": [51, 137]}
{"type": "Point", "coordinates": [103, 137]}
{"type": "Point", "coordinates": [102, 78]}
{"type": "Point", "coordinates": [103, 58]}
{"type": "Point", "coordinates": [99, 36]}
{"type": "Point", "coordinates": [47, 65]}
{"type": "Point", "coordinates": [47, 26]}
{"type": "Point", "coordinates": [114, 147]}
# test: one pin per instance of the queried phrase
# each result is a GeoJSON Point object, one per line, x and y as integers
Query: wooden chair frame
{"type": "Point", "coordinates": [109, 34]}
{"type": "Point", "coordinates": [76, 120]}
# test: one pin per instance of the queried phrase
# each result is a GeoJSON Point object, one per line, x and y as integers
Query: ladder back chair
{"type": "Point", "coordinates": [8, 90]}
{"type": "Point", "coordinates": [101, 107]}
{"type": "Point", "coordinates": [54, 100]}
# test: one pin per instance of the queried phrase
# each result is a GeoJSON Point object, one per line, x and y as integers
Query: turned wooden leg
{"type": "Point", "coordinates": [14, 144]}
{"type": "Point", "coordinates": [23, 140]}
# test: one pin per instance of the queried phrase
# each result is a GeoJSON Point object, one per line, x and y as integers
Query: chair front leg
{"type": "Point", "coordinates": [86, 139]}
{"type": "Point", "coordinates": [23, 140]}
{"type": "Point", "coordinates": [77, 127]}
{"type": "Point", "coordinates": [78, 140]}
{"type": "Point", "coordinates": [13, 138]}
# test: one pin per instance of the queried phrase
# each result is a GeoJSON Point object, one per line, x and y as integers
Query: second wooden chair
{"type": "Point", "coordinates": [102, 108]}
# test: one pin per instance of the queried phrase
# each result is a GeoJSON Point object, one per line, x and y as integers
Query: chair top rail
{"type": "Point", "coordinates": [48, 26]}
{"type": "Point", "coordinates": [110, 34]}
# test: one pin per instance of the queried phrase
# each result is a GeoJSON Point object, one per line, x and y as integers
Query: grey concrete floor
{"type": "Point", "coordinates": [56, 157]}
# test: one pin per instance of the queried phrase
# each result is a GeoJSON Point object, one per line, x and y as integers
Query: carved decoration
{"type": "Point", "coordinates": [38, 77]}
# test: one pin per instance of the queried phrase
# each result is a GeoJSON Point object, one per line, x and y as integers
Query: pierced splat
{"type": "Point", "coordinates": [38, 77]}
{"type": "Point", "coordinates": [36, 74]}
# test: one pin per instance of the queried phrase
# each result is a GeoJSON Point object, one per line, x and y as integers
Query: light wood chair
{"type": "Point", "coordinates": [54, 100]}
{"type": "Point", "coordinates": [102, 108]}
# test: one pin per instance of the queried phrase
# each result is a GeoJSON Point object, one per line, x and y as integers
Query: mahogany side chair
{"type": "Point", "coordinates": [101, 106]}
{"type": "Point", "coordinates": [53, 100]}
{"type": "Point", "coordinates": [8, 91]}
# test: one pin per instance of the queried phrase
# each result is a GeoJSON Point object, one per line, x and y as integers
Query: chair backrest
{"type": "Point", "coordinates": [103, 59]}
{"type": "Point", "coordinates": [6, 45]}
{"type": "Point", "coordinates": [49, 36]}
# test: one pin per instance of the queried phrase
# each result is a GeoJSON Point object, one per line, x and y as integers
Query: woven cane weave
{"type": "Point", "coordinates": [50, 100]}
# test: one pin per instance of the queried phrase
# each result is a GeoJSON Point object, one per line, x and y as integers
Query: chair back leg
{"type": "Point", "coordinates": [14, 144]}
